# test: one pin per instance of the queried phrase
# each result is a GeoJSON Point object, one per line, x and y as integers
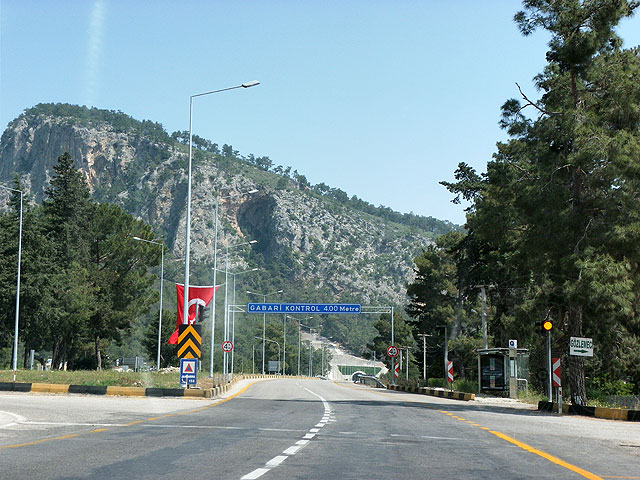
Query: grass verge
{"type": "Point", "coordinates": [107, 378]}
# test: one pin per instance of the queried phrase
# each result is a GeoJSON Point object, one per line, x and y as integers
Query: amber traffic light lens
{"type": "Point", "coordinates": [547, 325]}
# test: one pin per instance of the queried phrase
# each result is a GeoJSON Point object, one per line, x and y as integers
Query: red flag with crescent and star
{"type": "Point", "coordinates": [198, 297]}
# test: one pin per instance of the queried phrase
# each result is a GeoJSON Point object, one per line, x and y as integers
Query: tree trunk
{"type": "Point", "coordinates": [98, 355]}
{"type": "Point", "coordinates": [576, 364]}
{"type": "Point", "coordinates": [58, 354]}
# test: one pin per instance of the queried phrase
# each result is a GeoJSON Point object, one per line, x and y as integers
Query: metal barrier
{"type": "Point", "coordinates": [371, 381]}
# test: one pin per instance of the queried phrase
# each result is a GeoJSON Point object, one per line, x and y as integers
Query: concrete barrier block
{"type": "Point", "coordinates": [611, 413]}
{"type": "Point", "coordinates": [127, 391]}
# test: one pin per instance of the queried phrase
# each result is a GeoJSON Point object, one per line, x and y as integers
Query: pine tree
{"type": "Point", "coordinates": [557, 213]}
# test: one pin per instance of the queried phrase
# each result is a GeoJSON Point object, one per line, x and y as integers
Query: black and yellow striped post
{"type": "Point", "coordinates": [189, 341]}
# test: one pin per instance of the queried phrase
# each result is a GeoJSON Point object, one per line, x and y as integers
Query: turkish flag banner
{"type": "Point", "coordinates": [198, 297]}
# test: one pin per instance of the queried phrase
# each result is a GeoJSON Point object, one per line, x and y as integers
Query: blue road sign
{"type": "Point", "coordinates": [318, 308]}
{"type": "Point", "coordinates": [188, 371]}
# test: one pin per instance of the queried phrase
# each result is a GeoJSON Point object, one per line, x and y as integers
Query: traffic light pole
{"type": "Point", "coordinates": [549, 372]}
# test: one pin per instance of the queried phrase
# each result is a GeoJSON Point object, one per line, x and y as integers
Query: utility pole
{"type": "Point", "coordinates": [483, 296]}
{"type": "Point", "coordinates": [446, 354]}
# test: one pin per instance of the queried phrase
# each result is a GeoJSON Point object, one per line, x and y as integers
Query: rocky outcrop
{"type": "Point", "coordinates": [346, 253]}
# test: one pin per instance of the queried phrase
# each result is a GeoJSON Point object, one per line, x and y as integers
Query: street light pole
{"type": "Point", "coordinates": [424, 354]}
{"type": "Point", "coordinates": [161, 285]}
{"type": "Point", "coordinates": [185, 312]}
{"type": "Point", "coordinates": [233, 317]}
{"type": "Point", "coordinates": [14, 363]}
{"type": "Point", "coordinates": [264, 319]}
{"type": "Point", "coordinates": [299, 336]}
{"type": "Point", "coordinates": [215, 270]}
{"type": "Point", "coordinates": [310, 347]}
{"type": "Point", "coordinates": [225, 364]}
{"type": "Point", "coordinates": [393, 359]}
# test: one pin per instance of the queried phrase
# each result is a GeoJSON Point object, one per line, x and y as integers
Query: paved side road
{"type": "Point", "coordinates": [312, 429]}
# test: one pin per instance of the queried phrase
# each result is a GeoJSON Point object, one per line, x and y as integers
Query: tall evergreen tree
{"type": "Point", "coordinates": [118, 274]}
{"type": "Point", "coordinates": [558, 212]}
{"type": "Point", "coordinates": [67, 213]}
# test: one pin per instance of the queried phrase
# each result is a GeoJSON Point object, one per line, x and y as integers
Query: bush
{"type": "Point", "coordinates": [601, 387]}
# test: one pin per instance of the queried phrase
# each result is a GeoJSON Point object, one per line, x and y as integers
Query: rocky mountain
{"type": "Point", "coordinates": [314, 238]}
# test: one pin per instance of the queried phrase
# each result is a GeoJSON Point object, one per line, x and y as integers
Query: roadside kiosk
{"type": "Point", "coordinates": [498, 368]}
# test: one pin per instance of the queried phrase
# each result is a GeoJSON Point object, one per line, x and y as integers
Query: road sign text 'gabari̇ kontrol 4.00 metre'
{"type": "Point", "coordinates": [319, 308]}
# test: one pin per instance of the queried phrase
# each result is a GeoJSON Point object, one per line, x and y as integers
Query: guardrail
{"type": "Point", "coordinates": [371, 381]}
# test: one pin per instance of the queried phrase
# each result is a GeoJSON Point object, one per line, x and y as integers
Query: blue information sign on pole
{"type": "Point", "coordinates": [318, 308]}
{"type": "Point", "coordinates": [188, 371]}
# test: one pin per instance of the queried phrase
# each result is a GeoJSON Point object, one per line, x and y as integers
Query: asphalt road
{"type": "Point", "coordinates": [311, 429]}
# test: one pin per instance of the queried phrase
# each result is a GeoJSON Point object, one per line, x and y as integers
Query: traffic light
{"type": "Point", "coordinates": [544, 325]}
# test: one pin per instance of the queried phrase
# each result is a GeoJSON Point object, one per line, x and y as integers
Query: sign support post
{"type": "Point", "coordinates": [549, 370]}
{"type": "Point", "coordinates": [513, 369]}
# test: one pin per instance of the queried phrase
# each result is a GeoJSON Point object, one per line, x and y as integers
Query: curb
{"type": "Point", "coordinates": [98, 390]}
{"type": "Point", "coordinates": [434, 393]}
{"type": "Point", "coordinates": [597, 412]}
{"type": "Point", "coordinates": [128, 391]}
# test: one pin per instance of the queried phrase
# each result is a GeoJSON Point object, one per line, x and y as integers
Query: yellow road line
{"type": "Point", "coordinates": [133, 423]}
{"type": "Point", "coordinates": [524, 446]}
{"type": "Point", "coordinates": [35, 442]}
{"type": "Point", "coordinates": [545, 455]}
{"type": "Point", "coordinates": [71, 435]}
{"type": "Point", "coordinates": [42, 440]}
{"type": "Point", "coordinates": [231, 396]}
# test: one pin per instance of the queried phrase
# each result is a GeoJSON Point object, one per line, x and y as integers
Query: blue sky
{"type": "Point", "coordinates": [379, 98]}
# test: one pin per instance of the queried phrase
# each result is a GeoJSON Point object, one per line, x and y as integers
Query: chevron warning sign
{"type": "Point", "coordinates": [557, 372]}
{"type": "Point", "coordinates": [189, 341]}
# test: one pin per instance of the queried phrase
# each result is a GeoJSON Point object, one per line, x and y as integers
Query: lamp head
{"type": "Point", "coordinates": [252, 83]}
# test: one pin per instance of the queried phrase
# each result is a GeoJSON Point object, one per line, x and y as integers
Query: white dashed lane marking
{"type": "Point", "coordinates": [292, 450]}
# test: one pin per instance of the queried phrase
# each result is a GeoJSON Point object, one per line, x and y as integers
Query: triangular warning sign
{"type": "Point", "coordinates": [188, 368]}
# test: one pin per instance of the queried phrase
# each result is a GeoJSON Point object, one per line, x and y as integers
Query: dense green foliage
{"type": "Point", "coordinates": [554, 224]}
{"type": "Point", "coordinates": [83, 278]}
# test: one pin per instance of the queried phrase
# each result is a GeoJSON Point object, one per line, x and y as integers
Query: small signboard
{"type": "Point", "coordinates": [581, 347]}
{"type": "Point", "coordinates": [227, 346]}
{"type": "Point", "coordinates": [274, 366]}
{"type": "Point", "coordinates": [392, 351]}
{"type": "Point", "coordinates": [188, 371]}
{"type": "Point", "coordinates": [450, 371]}
{"type": "Point", "coordinates": [513, 343]}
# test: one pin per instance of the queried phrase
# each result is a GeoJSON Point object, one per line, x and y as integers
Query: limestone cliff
{"type": "Point", "coordinates": [341, 252]}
